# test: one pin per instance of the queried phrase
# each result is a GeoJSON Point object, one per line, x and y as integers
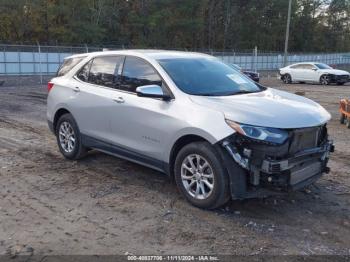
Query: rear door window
{"type": "Point", "coordinates": [308, 66]}
{"type": "Point", "coordinates": [68, 64]}
{"type": "Point", "coordinates": [105, 71]}
{"type": "Point", "coordinates": [137, 72]}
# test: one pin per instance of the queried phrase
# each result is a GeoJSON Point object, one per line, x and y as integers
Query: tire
{"type": "Point", "coordinates": [67, 127]}
{"type": "Point", "coordinates": [340, 83]}
{"type": "Point", "coordinates": [213, 174]}
{"type": "Point", "coordinates": [324, 80]}
{"type": "Point", "coordinates": [342, 119]}
{"type": "Point", "coordinates": [287, 79]}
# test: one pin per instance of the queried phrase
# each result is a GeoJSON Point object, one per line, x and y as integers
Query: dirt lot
{"type": "Point", "coordinates": [104, 205]}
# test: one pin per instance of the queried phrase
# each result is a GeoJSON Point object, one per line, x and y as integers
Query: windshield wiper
{"type": "Point", "coordinates": [227, 93]}
{"type": "Point", "coordinates": [243, 92]}
{"type": "Point", "coordinates": [208, 94]}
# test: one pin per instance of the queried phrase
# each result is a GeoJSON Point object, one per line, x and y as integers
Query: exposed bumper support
{"type": "Point", "coordinates": [265, 175]}
{"type": "Point", "coordinates": [274, 166]}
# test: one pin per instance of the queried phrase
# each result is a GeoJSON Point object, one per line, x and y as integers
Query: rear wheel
{"type": "Point", "coordinates": [68, 138]}
{"type": "Point", "coordinates": [324, 80]}
{"type": "Point", "coordinates": [287, 79]}
{"type": "Point", "coordinates": [340, 83]}
{"type": "Point", "coordinates": [200, 176]}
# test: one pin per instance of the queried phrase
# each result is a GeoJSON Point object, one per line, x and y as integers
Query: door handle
{"type": "Point", "coordinates": [76, 89]}
{"type": "Point", "coordinates": [119, 100]}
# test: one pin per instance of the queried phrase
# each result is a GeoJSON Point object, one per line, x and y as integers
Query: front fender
{"type": "Point", "coordinates": [238, 177]}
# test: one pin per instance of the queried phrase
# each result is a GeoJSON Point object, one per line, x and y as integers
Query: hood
{"type": "Point", "coordinates": [333, 71]}
{"type": "Point", "coordinates": [270, 108]}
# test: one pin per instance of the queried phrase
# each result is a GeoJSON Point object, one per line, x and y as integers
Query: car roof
{"type": "Point", "coordinates": [303, 63]}
{"type": "Point", "coordinates": [77, 55]}
{"type": "Point", "coordinates": [150, 53]}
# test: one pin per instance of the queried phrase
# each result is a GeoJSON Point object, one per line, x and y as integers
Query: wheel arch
{"type": "Point", "coordinates": [283, 76]}
{"type": "Point", "coordinates": [178, 145]}
{"type": "Point", "coordinates": [60, 112]}
{"type": "Point", "coordinates": [324, 74]}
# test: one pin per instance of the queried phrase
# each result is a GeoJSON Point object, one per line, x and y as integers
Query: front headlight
{"type": "Point", "coordinates": [269, 134]}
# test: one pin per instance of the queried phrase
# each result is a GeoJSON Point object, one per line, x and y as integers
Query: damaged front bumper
{"type": "Point", "coordinates": [338, 78]}
{"type": "Point", "coordinates": [267, 168]}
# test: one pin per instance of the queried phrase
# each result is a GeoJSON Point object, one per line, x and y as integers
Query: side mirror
{"type": "Point", "coordinates": [154, 91]}
{"type": "Point", "coordinates": [315, 69]}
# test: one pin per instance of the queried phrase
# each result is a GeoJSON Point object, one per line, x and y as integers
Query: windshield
{"type": "Point", "coordinates": [207, 77]}
{"type": "Point", "coordinates": [323, 66]}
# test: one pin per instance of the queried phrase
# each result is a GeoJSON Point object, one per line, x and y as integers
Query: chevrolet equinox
{"type": "Point", "coordinates": [220, 135]}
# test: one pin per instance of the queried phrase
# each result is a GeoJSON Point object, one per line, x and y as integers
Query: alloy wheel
{"type": "Point", "coordinates": [197, 176]}
{"type": "Point", "coordinates": [287, 79]}
{"type": "Point", "coordinates": [324, 80]}
{"type": "Point", "coordinates": [66, 137]}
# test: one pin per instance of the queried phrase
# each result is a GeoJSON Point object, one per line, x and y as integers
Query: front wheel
{"type": "Point", "coordinates": [324, 80]}
{"type": "Point", "coordinates": [200, 176]}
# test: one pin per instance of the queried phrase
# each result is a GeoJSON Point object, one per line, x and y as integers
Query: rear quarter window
{"type": "Point", "coordinates": [68, 64]}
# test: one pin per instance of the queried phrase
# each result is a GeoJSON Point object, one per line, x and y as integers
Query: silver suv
{"type": "Point", "coordinates": [219, 134]}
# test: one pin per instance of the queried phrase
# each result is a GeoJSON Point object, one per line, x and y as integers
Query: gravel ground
{"type": "Point", "coordinates": [105, 205]}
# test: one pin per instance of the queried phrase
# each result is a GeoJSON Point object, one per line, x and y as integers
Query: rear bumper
{"type": "Point", "coordinates": [265, 176]}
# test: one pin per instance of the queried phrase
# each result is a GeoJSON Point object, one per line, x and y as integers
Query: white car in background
{"type": "Point", "coordinates": [313, 72]}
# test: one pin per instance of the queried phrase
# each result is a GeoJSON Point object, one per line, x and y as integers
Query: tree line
{"type": "Point", "coordinates": [316, 25]}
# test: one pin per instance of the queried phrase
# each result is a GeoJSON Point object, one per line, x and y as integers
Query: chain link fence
{"type": "Point", "coordinates": [41, 61]}
{"type": "Point", "coordinates": [36, 60]}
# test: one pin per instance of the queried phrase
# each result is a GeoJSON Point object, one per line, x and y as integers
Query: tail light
{"type": "Point", "coordinates": [49, 86]}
